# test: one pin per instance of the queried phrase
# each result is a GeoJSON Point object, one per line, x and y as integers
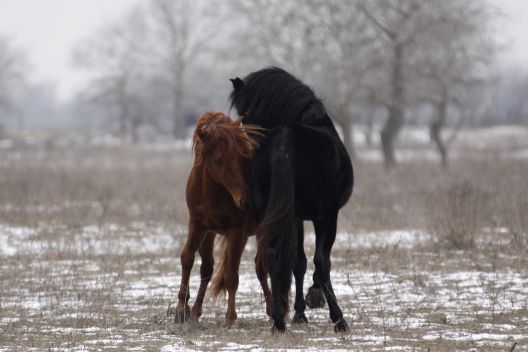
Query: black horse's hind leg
{"type": "Point", "coordinates": [299, 269]}
{"type": "Point", "coordinates": [325, 232]}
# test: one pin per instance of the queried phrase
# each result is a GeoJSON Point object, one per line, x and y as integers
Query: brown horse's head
{"type": "Point", "coordinates": [223, 146]}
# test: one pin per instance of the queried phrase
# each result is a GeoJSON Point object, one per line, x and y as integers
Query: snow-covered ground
{"type": "Point", "coordinates": [101, 288]}
{"type": "Point", "coordinates": [91, 233]}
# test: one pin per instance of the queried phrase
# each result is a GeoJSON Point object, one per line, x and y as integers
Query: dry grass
{"type": "Point", "coordinates": [92, 236]}
{"type": "Point", "coordinates": [453, 216]}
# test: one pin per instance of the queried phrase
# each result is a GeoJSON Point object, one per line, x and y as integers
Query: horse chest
{"type": "Point", "coordinates": [216, 218]}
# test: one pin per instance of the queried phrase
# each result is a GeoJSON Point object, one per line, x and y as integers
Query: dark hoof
{"type": "Point", "coordinates": [315, 298]}
{"type": "Point", "coordinates": [299, 319]}
{"type": "Point", "coordinates": [181, 317]}
{"type": "Point", "coordinates": [341, 326]}
{"type": "Point", "coordinates": [278, 326]}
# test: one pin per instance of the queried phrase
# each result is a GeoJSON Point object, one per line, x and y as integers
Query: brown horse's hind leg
{"type": "Point", "coordinates": [206, 271]}
{"type": "Point", "coordinates": [262, 275]}
{"type": "Point", "coordinates": [235, 243]}
{"type": "Point", "coordinates": [196, 235]}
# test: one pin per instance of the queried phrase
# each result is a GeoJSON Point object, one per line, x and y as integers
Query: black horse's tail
{"type": "Point", "coordinates": [277, 229]}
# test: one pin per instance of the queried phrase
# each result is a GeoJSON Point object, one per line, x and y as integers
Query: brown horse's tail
{"type": "Point", "coordinates": [218, 285]}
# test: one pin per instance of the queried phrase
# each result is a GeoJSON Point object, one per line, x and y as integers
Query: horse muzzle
{"type": "Point", "coordinates": [242, 204]}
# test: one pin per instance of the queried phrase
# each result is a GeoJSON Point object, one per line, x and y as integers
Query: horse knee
{"type": "Point", "coordinates": [319, 261]}
{"type": "Point", "coordinates": [231, 281]}
{"type": "Point", "coordinates": [187, 259]}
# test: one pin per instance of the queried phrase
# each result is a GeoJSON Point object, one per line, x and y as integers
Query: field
{"type": "Point", "coordinates": [425, 259]}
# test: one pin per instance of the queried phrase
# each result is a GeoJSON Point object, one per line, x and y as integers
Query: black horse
{"type": "Point", "coordinates": [301, 171]}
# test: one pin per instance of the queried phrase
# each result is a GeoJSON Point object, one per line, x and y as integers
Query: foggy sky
{"type": "Point", "coordinates": [47, 31]}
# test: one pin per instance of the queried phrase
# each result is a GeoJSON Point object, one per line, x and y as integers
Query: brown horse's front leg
{"type": "Point", "coordinates": [236, 241]}
{"type": "Point", "coordinates": [196, 235]}
{"type": "Point", "coordinates": [262, 275]}
{"type": "Point", "coordinates": [206, 271]}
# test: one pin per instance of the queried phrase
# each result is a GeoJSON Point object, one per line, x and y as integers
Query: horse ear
{"type": "Point", "coordinates": [201, 132]}
{"type": "Point", "coordinates": [237, 83]}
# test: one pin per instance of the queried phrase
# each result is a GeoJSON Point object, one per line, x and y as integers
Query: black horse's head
{"type": "Point", "coordinates": [272, 96]}
{"type": "Point", "coordinates": [238, 102]}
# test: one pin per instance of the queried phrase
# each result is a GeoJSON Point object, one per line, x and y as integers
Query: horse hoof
{"type": "Point", "coordinates": [181, 317]}
{"type": "Point", "coordinates": [278, 326]}
{"type": "Point", "coordinates": [229, 324]}
{"type": "Point", "coordinates": [299, 319]}
{"type": "Point", "coordinates": [196, 314]}
{"type": "Point", "coordinates": [341, 326]}
{"type": "Point", "coordinates": [315, 298]}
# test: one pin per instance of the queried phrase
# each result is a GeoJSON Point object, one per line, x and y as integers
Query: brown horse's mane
{"type": "Point", "coordinates": [216, 130]}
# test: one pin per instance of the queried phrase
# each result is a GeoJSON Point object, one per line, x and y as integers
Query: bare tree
{"type": "Point", "coordinates": [341, 45]}
{"type": "Point", "coordinates": [274, 32]}
{"type": "Point", "coordinates": [442, 42]}
{"type": "Point", "coordinates": [13, 69]}
{"type": "Point", "coordinates": [179, 32]}
{"type": "Point", "coordinates": [324, 42]}
{"type": "Point", "coordinates": [114, 57]}
{"type": "Point", "coordinates": [399, 23]}
{"type": "Point", "coordinates": [452, 60]}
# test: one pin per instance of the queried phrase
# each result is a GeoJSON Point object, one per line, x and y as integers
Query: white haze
{"type": "Point", "coordinates": [47, 31]}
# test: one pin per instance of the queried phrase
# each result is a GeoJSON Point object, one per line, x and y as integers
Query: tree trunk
{"type": "Point", "coordinates": [437, 124]}
{"type": "Point", "coordinates": [123, 108]}
{"type": "Point", "coordinates": [123, 117]}
{"type": "Point", "coordinates": [177, 116]}
{"type": "Point", "coordinates": [395, 120]}
{"type": "Point", "coordinates": [369, 128]}
{"type": "Point", "coordinates": [177, 96]}
{"type": "Point", "coordinates": [348, 139]}
{"type": "Point", "coordinates": [345, 117]}
{"type": "Point", "coordinates": [135, 122]}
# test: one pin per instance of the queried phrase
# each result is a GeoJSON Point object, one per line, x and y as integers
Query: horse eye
{"type": "Point", "coordinates": [216, 162]}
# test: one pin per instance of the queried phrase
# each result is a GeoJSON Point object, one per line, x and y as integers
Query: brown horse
{"type": "Point", "coordinates": [218, 202]}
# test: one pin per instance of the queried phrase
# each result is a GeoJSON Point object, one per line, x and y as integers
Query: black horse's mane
{"type": "Point", "coordinates": [271, 96]}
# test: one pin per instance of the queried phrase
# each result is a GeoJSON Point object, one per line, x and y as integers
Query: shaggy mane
{"type": "Point", "coordinates": [216, 130]}
{"type": "Point", "coordinates": [272, 96]}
